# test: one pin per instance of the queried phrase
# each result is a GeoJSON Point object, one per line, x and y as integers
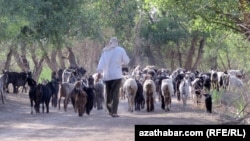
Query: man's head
{"type": "Point", "coordinates": [113, 42]}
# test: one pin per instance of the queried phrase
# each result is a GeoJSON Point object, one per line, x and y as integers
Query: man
{"type": "Point", "coordinates": [110, 65]}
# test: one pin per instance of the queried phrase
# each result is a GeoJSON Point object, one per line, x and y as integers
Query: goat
{"type": "Point", "coordinates": [81, 101]}
{"type": "Point", "coordinates": [90, 91]}
{"type": "Point", "coordinates": [206, 81]}
{"type": "Point", "coordinates": [130, 88]}
{"type": "Point", "coordinates": [73, 74]}
{"type": "Point", "coordinates": [158, 89]}
{"type": "Point", "coordinates": [91, 81]}
{"type": "Point", "coordinates": [57, 75]}
{"type": "Point", "coordinates": [99, 95]}
{"type": "Point", "coordinates": [149, 90]}
{"type": "Point", "coordinates": [137, 72]}
{"type": "Point", "coordinates": [65, 90]}
{"type": "Point", "coordinates": [79, 98]}
{"type": "Point", "coordinates": [197, 89]}
{"type": "Point", "coordinates": [98, 77]}
{"type": "Point", "coordinates": [44, 92]}
{"type": "Point", "coordinates": [177, 81]}
{"type": "Point", "coordinates": [223, 79]}
{"type": "Point", "coordinates": [32, 92]}
{"type": "Point", "coordinates": [76, 90]}
{"type": "Point", "coordinates": [167, 90]}
{"type": "Point", "coordinates": [17, 79]}
{"type": "Point", "coordinates": [90, 99]}
{"type": "Point", "coordinates": [208, 102]}
{"type": "Point", "coordinates": [184, 90]}
{"type": "Point", "coordinates": [139, 98]}
{"type": "Point", "coordinates": [215, 80]}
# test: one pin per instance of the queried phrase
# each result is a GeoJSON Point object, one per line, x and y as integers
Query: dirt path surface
{"type": "Point", "coordinates": [17, 124]}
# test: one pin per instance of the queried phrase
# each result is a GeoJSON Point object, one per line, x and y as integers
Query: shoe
{"type": "Point", "coordinates": [109, 109]}
{"type": "Point", "coordinates": [114, 115]}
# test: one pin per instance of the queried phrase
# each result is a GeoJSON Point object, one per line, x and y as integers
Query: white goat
{"type": "Point", "coordinates": [130, 88]}
{"type": "Point", "coordinates": [149, 91]}
{"type": "Point", "coordinates": [184, 90]}
{"type": "Point", "coordinates": [167, 90]}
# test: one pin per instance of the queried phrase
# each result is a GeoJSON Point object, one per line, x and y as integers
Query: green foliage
{"type": "Point", "coordinates": [119, 15]}
{"type": "Point", "coordinates": [161, 23]}
{"type": "Point", "coordinates": [45, 74]}
{"type": "Point", "coordinates": [163, 31]}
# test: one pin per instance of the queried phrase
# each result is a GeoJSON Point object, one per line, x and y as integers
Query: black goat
{"type": "Point", "coordinates": [44, 92]}
{"type": "Point", "coordinates": [17, 79]}
{"type": "Point", "coordinates": [32, 92]}
{"type": "Point", "coordinates": [208, 102]}
{"type": "Point", "coordinates": [139, 98]}
{"type": "Point", "coordinates": [90, 99]}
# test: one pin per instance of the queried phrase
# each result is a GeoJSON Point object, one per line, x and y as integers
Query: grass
{"type": "Point", "coordinates": [239, 105]}
{"type": "Point", "coordinates": [216, 96]}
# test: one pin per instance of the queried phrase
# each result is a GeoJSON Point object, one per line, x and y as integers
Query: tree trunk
{"type": "Point", "coordinates": [191, 53]}
{"type": "Point", "coordinates": [61, 60]}
{"type": "Point", "coordinates": [51, 64]}
{"type": "Point", "coordinates": [172, 56]}
{"type": "Point", "coordinates": [23, 58]}
{"type": "Point", "coordinates": [19, 60]}
{"type": "Point", "coordinates": [214, 63]}
{"type": "Point", "coordinates": [200, 55]}
{"type": "Point", "coordinates": [71, 58]}
{"type": "Point", "coordinates": [179, 54]}
{"type": "Point", "coordinates": [149, 54]}
{"type": "Point", "coordinates": [8, 59]}
{"type": "Point", "coordinates": [38, 69]}
{"type": "Point", "coordinates": [160, 59]}
{"type": "Point", "coordinates": [53, 58]}
{"type": "Point", "coordinates": [38, 64]}
{"type": "Point", "coordinates": [228, 60]}
{"type": "Point", "coordinates": [222, 62]}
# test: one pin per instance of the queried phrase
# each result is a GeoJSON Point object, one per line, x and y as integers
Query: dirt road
{"type": "Point", "coordinates": [17, 124]}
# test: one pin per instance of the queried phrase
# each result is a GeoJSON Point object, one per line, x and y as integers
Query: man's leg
{"type": "Point", "coordinates": [108, 95]}
{"type": "Point", "coordinates": [115, 94]}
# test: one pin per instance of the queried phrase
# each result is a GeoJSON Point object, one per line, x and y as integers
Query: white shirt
{"type": "Point", "coordinates": [111, 61]}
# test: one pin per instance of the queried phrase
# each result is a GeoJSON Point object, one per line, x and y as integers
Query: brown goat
{"type": "Point", "coordinates": [76, 89]}
{"type": "Point", "coordinates": [80, 101]}
{"type": "Point", "coordinates": [214, 80]}
{"type": "Point", "coordinates": [149, 89]}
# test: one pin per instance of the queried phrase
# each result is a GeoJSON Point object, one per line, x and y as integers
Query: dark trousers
{"type": "Point", "coordinates": [112, 95]}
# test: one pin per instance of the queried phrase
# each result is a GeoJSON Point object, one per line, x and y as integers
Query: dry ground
{"type": "Point", "coordinates": [17, 124]}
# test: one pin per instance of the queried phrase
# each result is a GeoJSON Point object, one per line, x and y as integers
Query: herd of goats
{"type": "Point", "coordinates": [140, 86]}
